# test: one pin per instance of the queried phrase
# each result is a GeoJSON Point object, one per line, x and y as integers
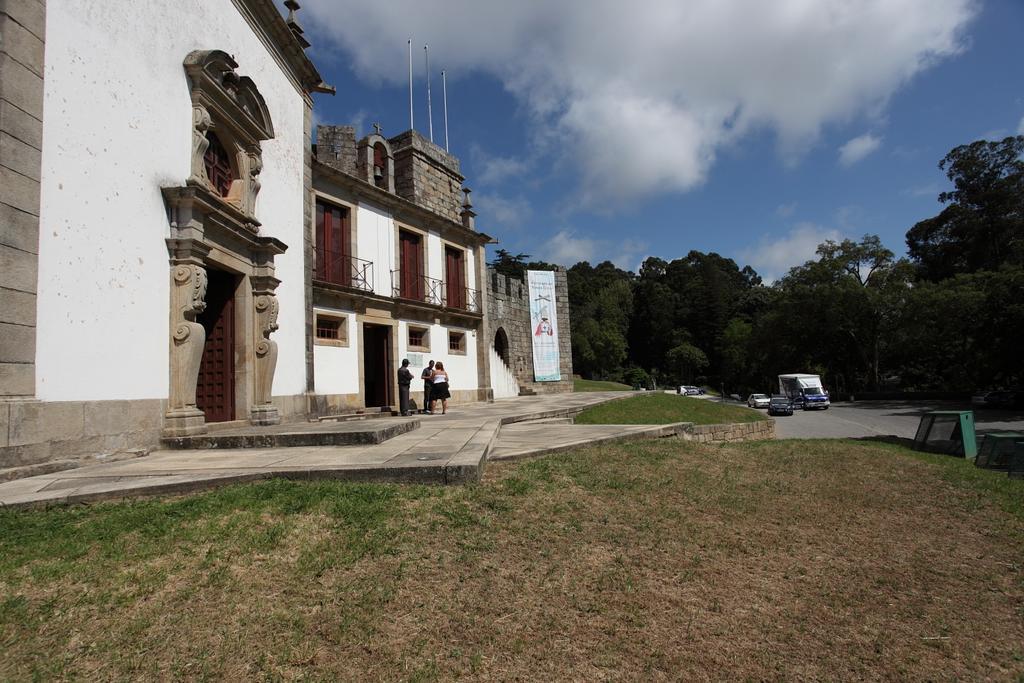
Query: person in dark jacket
{"type": "Point", "coordinates": [404, 380]}
{"type": "Point", "coordinates": [425, 376]}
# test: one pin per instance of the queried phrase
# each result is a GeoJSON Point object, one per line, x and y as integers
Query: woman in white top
{"type": "Point", "coordinates": [439, 387]}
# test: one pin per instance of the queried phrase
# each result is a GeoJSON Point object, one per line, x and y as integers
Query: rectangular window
{"type": "Point", "coordinates": [331, 330]}
{"type": "Point", "coordinates": [410, 265]}
{"type": "Point", "coordinates": [333, 244]}
{"type": "Point", "coordinates": [456, 342]}
{"type": "Point", "coordinates": [455, 277]}
{"type": "Point", "coordinates": [419, 338]}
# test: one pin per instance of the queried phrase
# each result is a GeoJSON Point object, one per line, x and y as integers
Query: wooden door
{"type": "Point", "coordinates": [333, 244]}
{"type": "Point", "coordinates": [410, 264]}
{"type": "Point", "coordinates": [455, 277]}
{"type": "Point", "coordinates": [215, 391]}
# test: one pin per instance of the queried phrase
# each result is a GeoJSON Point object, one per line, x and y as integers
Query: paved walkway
{"type": "Point", "coordinates": [444, 449]}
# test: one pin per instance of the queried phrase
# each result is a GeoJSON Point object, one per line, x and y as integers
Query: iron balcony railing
{"type": "Point", "coordinates": [436, 292]}
{"type": "Point", "coordinates": [465, 299]}
{"type": "Point", "coordinates": [338, 268]}
{"type": "Point", "coordinates": [415, 287]}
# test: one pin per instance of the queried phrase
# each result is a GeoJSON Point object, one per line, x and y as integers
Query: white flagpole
{"type": "Point", "coordinates": [412, 123]}
{"type": "Point", "coordinates": [444, 89]}
{"type": "Point", "coordinates": [430, 113]}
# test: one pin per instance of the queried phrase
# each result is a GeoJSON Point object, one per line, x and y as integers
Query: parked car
{"type": "Point", "coordinates": [998, 399]}
{"type": "Point", "coordinates": [780, 405]}
{"type": "Point", "coordinates": [758, 401]}
{"type": "Point", "coordinates": [687, 390]}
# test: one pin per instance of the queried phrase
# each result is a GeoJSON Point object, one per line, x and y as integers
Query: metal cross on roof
{"type": "Point", "coordinates": [377, 128]}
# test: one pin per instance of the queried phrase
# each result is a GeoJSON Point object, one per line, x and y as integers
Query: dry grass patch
{"type": "Point", "coordinates": [657, 560]}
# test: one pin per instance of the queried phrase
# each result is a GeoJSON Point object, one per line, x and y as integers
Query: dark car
{"type": "Point", "coordinates": [780, 405]}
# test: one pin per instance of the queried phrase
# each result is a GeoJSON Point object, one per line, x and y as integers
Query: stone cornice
{"type": "Point", "coordinates": [407, 211]}
{"type": "Point", "coordinates": [399, 308]}
{"type": "Point", "coordinates": [191, 202]}
{"type": "Point", "coordinates": [266, 21]}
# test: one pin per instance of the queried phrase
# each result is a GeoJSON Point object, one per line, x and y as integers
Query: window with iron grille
{"type": "Point", "coordinates": [331, 330]}
{"type": "Point", "coordinates": [419, 338]}
{"type": "Point", "coordinates": [456, 342]}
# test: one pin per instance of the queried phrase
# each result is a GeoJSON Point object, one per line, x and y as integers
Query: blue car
{"type": "Point", "coordinates": [780, 405]}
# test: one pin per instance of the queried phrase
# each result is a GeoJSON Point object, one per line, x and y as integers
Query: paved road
{"type": "Point", "coordinates": [884, 418]}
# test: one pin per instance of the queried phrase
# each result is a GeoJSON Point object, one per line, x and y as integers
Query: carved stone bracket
{"type": "Point", "coordinates": [188, 299]}
{"type": "Point", "coordinates": [264, 412]}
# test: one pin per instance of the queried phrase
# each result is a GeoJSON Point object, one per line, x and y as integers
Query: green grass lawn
{"type": "Point", "coordinates": [598, 385]}
{"type": "Point", "coordinates": [655, 560]}
{"type": "Point", "coordinates": [661, 408]}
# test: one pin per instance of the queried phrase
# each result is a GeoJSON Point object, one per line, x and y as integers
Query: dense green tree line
{"type": "Point", "coordinates": [950, 317]}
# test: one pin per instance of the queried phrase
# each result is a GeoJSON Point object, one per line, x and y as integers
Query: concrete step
{"type": "Point", "coordinates": [356, 414]}
{"type": "Point", "coordinates": [22, 471]}
{"type": "Point", "coordinates": [352, 433]}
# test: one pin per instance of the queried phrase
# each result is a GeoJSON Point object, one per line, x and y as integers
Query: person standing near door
{"type": "Point", "coordinates": [425, 376]}
{"type": "Point", "coordinates": [404, 380]}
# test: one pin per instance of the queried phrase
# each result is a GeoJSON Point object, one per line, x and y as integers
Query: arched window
{"type": "Point", "coordinates": [380, 166]}
{"type": "Point", "coordinates": [218, 165]}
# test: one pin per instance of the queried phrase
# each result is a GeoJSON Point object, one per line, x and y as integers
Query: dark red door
{"type": "Point", "coordinates": [410, 264]}
{"type": "Point", "coordinates": [333, 244]}
{"type": "Point", "coordinates": [215, 391]}
{"type": "Point", "coordinates": [455, 278]}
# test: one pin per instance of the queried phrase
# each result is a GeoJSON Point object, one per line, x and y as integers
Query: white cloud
{"type": "Point", "coordinates": [773, 257]}
{"type": "Point", "coordinates": [641, 99]}
{"type": "Point", "coordinates": [510, 213]}
{"type": "Point", "coordinates": [496, 170]}
{"type": "Point", "coordinates": [859, 147]}
{"type": "Point", "coordinates": [1020, 126]}
{"type": "Point", "coordinates": [567, 249]}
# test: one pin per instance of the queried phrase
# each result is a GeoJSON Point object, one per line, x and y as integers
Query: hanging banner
{"type": "Point", "coordinates": [544, 326]}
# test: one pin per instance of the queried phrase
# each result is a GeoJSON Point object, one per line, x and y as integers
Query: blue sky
{"type": "Point", "coordinates": [605, 130]}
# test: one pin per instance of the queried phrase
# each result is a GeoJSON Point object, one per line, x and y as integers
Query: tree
{"type": "Point", "coordinates": [687, 360]}
{"type": "Point", "coordinates": [982, 228]}
{"type": "Point", "coordinates": [601, 305]}
{"type": "Point", "coordinates": [509, 265]}
{"type": "Point", "coordinates": [843, 305]}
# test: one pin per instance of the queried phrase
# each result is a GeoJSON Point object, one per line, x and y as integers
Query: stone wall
{"type": "Point", "coordinates": [508, 308]}
{"type": "Point", "coordinates": [336, 147]}
{"type": "Point", "coordinates": [427, 175]}
{"type": "Point", "coordinates": [22, 30]}
{"type": "Point", "coordinates": [728, 433]}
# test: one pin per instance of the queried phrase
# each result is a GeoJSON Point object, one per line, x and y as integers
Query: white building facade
{"type": "Point", "coordinates": [174, 252]}
{"type": "Point", "coordinates": [397, 271]}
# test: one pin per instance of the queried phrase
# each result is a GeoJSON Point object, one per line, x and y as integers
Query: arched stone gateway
{"type": "Point", "coordinates": [501, 345]}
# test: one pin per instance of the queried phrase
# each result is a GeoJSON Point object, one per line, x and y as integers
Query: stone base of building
{"type": "Point", "coordinates": [262, 416]}
{"type": "Point", "coordinates": [560, 387]}
{"type": "Point", "coordinates": [34, 432]}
